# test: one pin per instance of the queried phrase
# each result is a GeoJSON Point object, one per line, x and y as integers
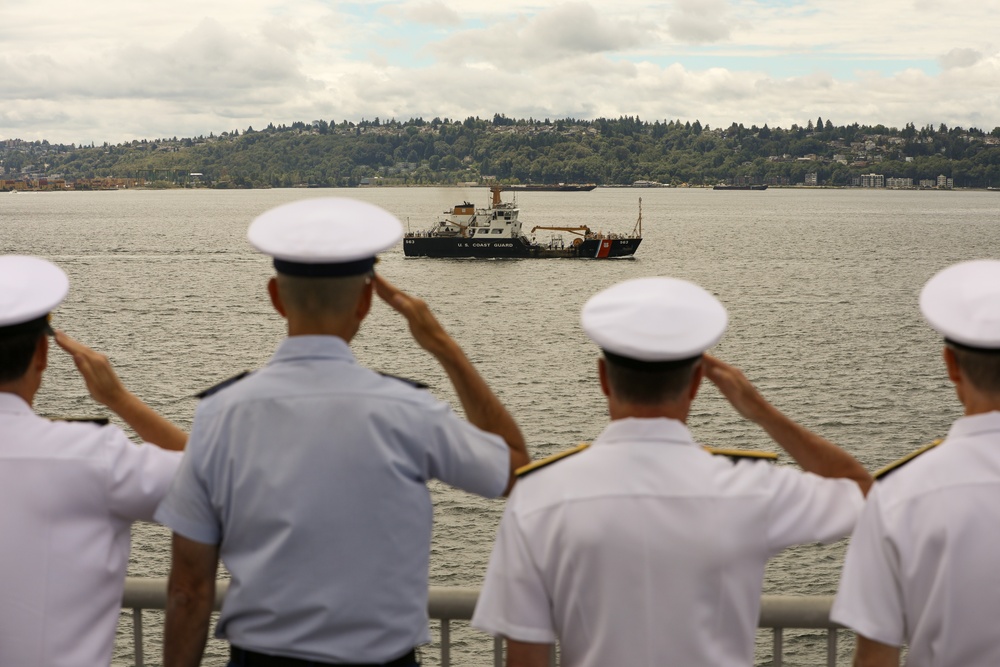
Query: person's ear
{"type": "Point", "coordinates": [272, 290]}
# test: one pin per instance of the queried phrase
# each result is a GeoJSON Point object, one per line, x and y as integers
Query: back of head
{"type": "Point", "coordinates": [319, 297]}
{"type": "Point", "coordinates": [29, 289]}
{"type": "Point", "coordinates": [653, 332]}
{"type": "Point", "coordinates": [962, 302]}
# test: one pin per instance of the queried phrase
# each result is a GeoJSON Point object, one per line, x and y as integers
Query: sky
{"type": "Point", "coordinates": [114, 71]}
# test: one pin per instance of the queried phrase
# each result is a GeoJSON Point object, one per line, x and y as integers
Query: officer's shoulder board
{"type": "Point", "coordinates": [417, 384]}
{"type": "Point", "coordinates": [896, 465]}
{"type": "Point", "coordinates": [100, 421]}
{"type": "Point", "coordinates": [549, 460]}
{"type": "Point", "coordinates": [216, 388]}
{"type": "Point", "coordinates": [740, 454]}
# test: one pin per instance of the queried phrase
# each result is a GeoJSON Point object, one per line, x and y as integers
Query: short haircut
{"type": "Point", "coordinates": [17, 347]}
{"type": "Point", "coordinates": [317, 295]}
{"type": "Point", "coordinates": [981, 367]}
{"type": "Point", "coordinates": [649, 383]}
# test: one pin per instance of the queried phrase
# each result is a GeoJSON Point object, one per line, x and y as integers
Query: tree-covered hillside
{"type": "Point", "coordinates": [603, 151]}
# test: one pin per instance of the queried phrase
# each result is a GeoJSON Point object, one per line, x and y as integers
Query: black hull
{"type": "Point", "coordinates": [451, 247]}
{"type": "Point", "coordinates": [739, 187]}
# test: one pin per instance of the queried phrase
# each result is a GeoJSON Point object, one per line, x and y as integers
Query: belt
{"type": "Point", "coordinates": [243, 658]}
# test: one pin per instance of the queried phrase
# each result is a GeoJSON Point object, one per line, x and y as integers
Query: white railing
{"type": "Point", "coordinates": [447, 604]}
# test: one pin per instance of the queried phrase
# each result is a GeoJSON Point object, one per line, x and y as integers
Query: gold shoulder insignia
{"type": "Point", "coordinates": [895, 465]}
{"type": "Point", "coordinates": [737, 454]}
{"type": "Point", "coordinates": [541, 463]}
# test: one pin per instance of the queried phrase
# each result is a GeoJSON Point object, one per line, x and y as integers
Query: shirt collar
{"type": "Point", "coordinates": [633, 430]}
{"type": "Point", "coordinates": [975, 424]}
{"type": "Point", "coordinates": [294, 348]}
{"type": "Point", "coordinates": [13, 403]}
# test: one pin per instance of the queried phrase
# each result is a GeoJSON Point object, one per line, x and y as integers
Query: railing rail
{"type": "Point", "coordinates": [446, 604]}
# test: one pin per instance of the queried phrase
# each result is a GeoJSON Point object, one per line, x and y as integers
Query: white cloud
{"type": "Point", "coordinates": [119, 70]}
{"type": "Point", "coordinates": [960, 58]}
{"type": "Point", "coordinates": [434, 13]}
{"type": "Point", "coordinates": [700, 21]}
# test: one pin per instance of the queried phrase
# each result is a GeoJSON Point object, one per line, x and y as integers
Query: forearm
{"type": "Point", "coordinates": [812, 452]}
{"type": "Point", "coordinates": [481, 405]}
{"type": "Point", "coordinates": [147, 423]}
{"type": "Point", "coordinates": [523, 654]}
{"type": "Point", "coordinates": [870, 653]}
{"type": "Point", "coordinates": [186, 627]}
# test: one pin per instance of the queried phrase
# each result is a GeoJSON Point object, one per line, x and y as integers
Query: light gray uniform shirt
{"type": "Point", "coordinates": [311, 476]}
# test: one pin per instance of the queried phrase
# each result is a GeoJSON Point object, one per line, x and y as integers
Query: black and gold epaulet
{"type": "Point", "coordinates": [548, 460]}
{"type": "Point", "coordinates": [216, 388]}
{"type": "Point", "coordinates": [738, 454]}
{"type": "Point", "coordinates": [100, 421]}
{"type": "Point", "coordinates": [413, 383]}
{"type": "Point", "coordinates": [896, 465]}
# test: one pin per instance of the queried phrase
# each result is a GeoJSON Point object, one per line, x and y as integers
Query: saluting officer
{"type": "Point", "coordinates": [644, 549]}
{"type": "Point", "coordinates": [923, 567]}
{"type": "Point", "coordinates": [69, 492]}
{"type": "Point", "coordinates": [309, 477]}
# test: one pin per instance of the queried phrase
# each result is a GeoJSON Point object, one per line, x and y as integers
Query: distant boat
{"type": "Point", "coordinates": [496, 232]}
{"type": "Point", "coordinates": [722, 186]}
{"type": "Point", "coordinates": [551, 187]}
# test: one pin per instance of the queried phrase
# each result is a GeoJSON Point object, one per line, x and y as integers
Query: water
{"type": "Point", "coordinates": [821, 288]}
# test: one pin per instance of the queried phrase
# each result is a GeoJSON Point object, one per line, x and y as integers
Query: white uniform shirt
{"type": "Point", "coordinates": [923, 566]}
{"type": "Point", "coordinates": [645, 550]}
{"type": "Point", "coordinates": [69, 493]}
{"type": "Point", "coordinates": [311, 475]}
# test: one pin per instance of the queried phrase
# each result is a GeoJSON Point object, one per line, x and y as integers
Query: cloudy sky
{"type": "Point", "coordinates": [111, 70]}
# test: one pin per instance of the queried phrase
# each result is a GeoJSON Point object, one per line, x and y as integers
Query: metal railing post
{"type": "Point", "coordinates": [778, 647]}
{"type": "Point", "coordinates": [831, 647]}
{"type": "Point", "coordinates": [445, 642]}
{"type": "Point", "coordinates": [140, 657]}
{"type": "Point", "coordinates": [497, 652]}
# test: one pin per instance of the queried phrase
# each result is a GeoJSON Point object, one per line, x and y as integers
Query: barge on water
{"type": "Point", "coordinates": [495, 232]}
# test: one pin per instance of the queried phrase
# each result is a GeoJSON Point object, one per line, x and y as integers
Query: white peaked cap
{"type": "Point", "coordinates": [654, 319]}
{"type": "Point", "coordinates": [325, 230]}
{"type": "Point", "coordinates": [30, 287]}
{"type": "Point", "coordinates": [962, 302]}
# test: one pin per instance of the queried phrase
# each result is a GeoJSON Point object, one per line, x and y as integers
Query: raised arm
{"type": "Point", "coordinates": [812, 452]}
{"type": "Point", "coordinates": [481, 405]}
{"type": "Point", "coordinates": [106, 388]}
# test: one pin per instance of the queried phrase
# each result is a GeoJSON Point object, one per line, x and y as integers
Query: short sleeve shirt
{"type": "Point", "coordinates": [70, 492]}
{"type": "Point", "coordinates": [645, 550]}
{"type": "Point", "coordinates": [922, 566]}
{"type": "Point", "coordinates": [311, 476]}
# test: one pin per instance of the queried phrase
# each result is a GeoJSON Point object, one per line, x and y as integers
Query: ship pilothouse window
{"type": "Point", "coordinates": [498, 231]}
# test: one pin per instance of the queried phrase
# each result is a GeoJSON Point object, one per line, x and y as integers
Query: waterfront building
{"type": "Point", "coordinates": [872, 180]}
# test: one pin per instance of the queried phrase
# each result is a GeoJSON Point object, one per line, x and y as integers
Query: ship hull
{"type": "Point", "coordinates": [429, 246]}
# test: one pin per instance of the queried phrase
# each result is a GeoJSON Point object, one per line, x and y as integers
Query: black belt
{"type": "Point", "coordinates": [244, 658]}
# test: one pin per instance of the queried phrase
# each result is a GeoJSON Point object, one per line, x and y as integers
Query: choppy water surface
{"type": "Point", "coordinates": [821, 288]}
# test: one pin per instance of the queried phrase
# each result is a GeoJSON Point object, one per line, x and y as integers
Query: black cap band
{"type": "Point", "coordinates": [970, 348]}
{"type": "Point", "coordinates": [339, 269]}
{"type": "Point", "coordinates": [31, 326]}
{"type": "Point", "coordinates": [648, 366]}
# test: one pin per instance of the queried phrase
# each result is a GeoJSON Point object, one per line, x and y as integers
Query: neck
{"type": "Point", "coordinates": [20, 388]}
{"type": "Point", "coordinates": [979, 404]}
{"type": "Point", "coordinates": [618, 410]}
{"type": "Point", "coordinates": [338, 328]}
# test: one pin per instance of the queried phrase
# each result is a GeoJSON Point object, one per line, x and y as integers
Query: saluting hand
{"type": "Point", "coordinates": [426, 330]}
{"type": "Point", "coordinates": [102, 382]}
{"type": "Point", "coordinates": [737, 389]}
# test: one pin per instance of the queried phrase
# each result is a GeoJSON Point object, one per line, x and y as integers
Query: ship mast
{"type": "Point", "coordinates": [638, 224]}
